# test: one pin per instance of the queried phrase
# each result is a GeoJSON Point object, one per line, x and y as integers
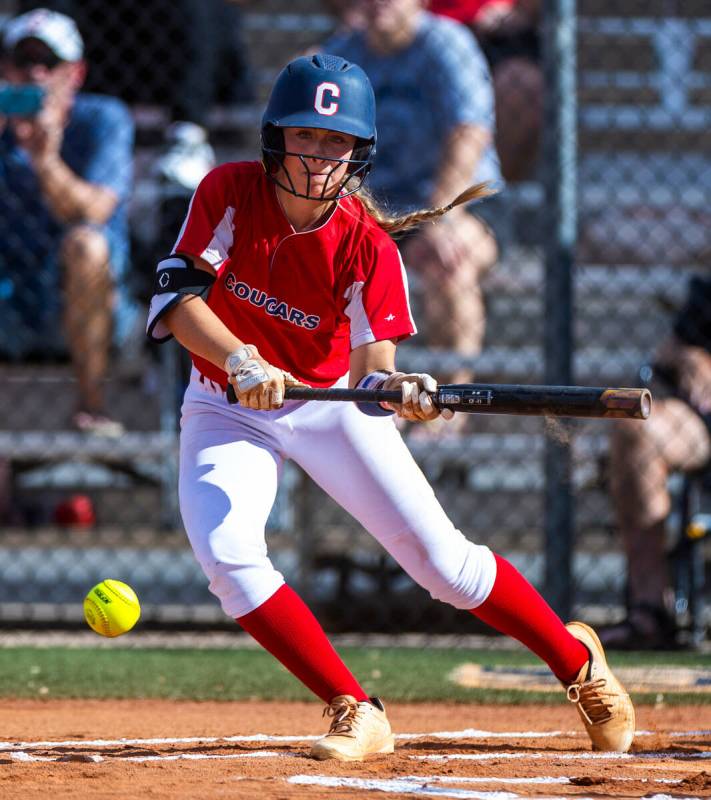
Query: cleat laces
{"type": "Point", "coordinates": [344, 717]}
{"type": "Point", "coordinates": [590, 699]}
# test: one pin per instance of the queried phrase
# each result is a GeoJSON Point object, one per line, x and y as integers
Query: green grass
{"type": "Point", "coordinates": [395, 673]}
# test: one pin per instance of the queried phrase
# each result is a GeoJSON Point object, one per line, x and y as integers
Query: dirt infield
{"type": "Point", "coordinates": [162, 749]}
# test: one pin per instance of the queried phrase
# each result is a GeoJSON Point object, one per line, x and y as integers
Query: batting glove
{"type": "Point", "coordinates": [258, 384]}
{"type": "Point", "coordinates": [417, 390]}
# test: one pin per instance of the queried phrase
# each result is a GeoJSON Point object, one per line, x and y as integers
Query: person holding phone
{"type": "Point", "coordinates": [65, 176]}
{"type": "Point", "coordinates": [20, 101]}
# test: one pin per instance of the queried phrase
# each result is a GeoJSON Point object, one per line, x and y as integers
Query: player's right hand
{"type": "Point", "coordinates": [257, 383]}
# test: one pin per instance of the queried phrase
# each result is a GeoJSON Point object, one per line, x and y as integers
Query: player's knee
{"type": "Point", "coordinates": [241, 588]}
{"type": "Point", "coordinates": [470, 583]}
{"type": "Point", "coordinates": [241, 578]}
{"type": "Point", "coordinates": [461, 576]}
{"type": "Point", "coordinates": [84, 247]}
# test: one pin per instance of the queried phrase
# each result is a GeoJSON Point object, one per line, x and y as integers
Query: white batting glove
{"type": "Point", "coordinates": [257, 383]}
{"type": "Point", "coordinates": [417, 390]}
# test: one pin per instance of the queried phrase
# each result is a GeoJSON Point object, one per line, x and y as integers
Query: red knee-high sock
{"type": "Point", "coordinates": [515, 608]}
{"type": "Point", "coordinates": [285, 627]}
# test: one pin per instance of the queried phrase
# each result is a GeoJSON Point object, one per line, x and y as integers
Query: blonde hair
{"type": "Point", "coordinates": [404, 222]}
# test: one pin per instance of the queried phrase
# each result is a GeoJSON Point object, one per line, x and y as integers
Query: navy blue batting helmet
{"type": "Point", "coordinates": [321, 91]}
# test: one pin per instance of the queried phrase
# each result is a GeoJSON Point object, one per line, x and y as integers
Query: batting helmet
{"type": "Point", "coordinates": [321, 91]}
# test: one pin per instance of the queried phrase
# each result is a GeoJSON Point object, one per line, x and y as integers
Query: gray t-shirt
{"type": "Point", "coordinates": [422, 92]}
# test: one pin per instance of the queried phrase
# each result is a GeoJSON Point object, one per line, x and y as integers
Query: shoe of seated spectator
{"type": "Point", "coordinates": [97, 425]}
{"type": "Point", "coordinates": [645, 628]}
{"type": "Point", "coordinates": [188, 157]}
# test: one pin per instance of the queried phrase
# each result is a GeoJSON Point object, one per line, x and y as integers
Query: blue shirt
{"type": "Point", "coordinates": [98, 147]}
{"type": "Point", "coordinates": [422, 92]}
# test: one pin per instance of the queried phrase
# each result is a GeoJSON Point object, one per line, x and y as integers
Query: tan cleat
{"type": "Point", "coordinates": [358, 730]}
{"type": "Point", "coordinates": [603, 704]}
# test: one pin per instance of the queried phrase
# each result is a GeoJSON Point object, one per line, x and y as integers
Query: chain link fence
{"type": "Point", "coordinates": [574, 273]}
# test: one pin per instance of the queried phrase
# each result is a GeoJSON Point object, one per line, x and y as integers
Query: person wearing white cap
{"type": "Point", "coordinates": [63, 212]}
{"type": "Point", "coordinates": [58, 31]}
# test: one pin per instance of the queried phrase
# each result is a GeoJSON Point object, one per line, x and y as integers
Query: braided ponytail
{"type": "Point", "coordinates": [394, 224]}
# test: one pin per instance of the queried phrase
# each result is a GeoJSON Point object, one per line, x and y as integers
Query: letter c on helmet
{"type": "Point", "coordinates": [328, 108]}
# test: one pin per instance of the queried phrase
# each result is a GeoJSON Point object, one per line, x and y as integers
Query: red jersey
{"type": "Point", "coordinates": [304, 299]}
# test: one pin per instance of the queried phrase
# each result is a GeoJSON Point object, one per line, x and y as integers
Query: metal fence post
{"type": "Point", "coordinates": [560, 152]}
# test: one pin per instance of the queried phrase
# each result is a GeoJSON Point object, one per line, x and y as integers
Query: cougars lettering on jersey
{"type": "Point", "coordinates": [304, 299]}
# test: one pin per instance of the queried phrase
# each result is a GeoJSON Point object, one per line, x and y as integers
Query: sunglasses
{"type": "Point", "coordinates": [24, 57]}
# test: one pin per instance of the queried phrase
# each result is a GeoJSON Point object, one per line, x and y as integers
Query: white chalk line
{"type": "Point", "coordinates": [561, 779]}
{"type": "Point", "coordinates": [27, 757]}
{"type": "Point", "coordinates": [257, 737]}
{"type": "Point", "coordinates": [660, 755]}
{"type": "Point", "coordinates": [467, 733]}
{"type": "Point", "coordinates": [455, 779]}
{"type": "Point", "coordinates": [426, 786]}
{"type": "Point", "coordinates": [401, 786]}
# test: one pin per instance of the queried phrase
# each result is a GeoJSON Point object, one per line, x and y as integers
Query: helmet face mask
{"type": "Point", "coordinates": [328, 93]}
{"type": "Point", "coordinates": [274, 153]}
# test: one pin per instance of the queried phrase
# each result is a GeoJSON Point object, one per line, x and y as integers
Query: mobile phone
{"type": "Point", "coordinates": [24, 100]}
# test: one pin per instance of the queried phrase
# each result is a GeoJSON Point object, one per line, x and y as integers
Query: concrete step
{"type": "Point", "coordinates": [43, 397]}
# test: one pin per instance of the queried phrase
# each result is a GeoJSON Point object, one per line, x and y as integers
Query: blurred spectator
{"type": "Point", "coordinates": [65, 175]}
{"type": "Point", "coordinates": [508, 34]}
{"type": "Point", "coordinates": [435, 137]}
{"type": "Point", "coordinates": [676, 437]}
{"type": "Point", "coordinates": [350, 15]}
{"type": "Point", "coordinates": [507, 31]}
{"type": "Point", "coordinates": [186, 55]}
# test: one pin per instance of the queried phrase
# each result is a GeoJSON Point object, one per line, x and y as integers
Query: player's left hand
{"type": "Point", "coordinates": [417, 390]}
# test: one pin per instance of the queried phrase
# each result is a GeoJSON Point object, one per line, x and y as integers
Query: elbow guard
{"type": "Point", "coordinates": [175, 277]}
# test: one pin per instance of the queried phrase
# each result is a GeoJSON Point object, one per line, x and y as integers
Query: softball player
{"type": "Point", "coordinates": [302, 284]}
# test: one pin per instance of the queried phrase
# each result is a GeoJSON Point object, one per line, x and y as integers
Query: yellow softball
{"type": "Point", "coordinates": [111, 608]}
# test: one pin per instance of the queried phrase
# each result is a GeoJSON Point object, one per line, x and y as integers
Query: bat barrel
{"type": "Point", "coordinates": [554, 401]}
{"type": "Point", "coordinates": [635, 403]}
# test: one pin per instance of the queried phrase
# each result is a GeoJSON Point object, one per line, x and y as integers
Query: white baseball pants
{"type": "Point", "coordinates": [230, 461]}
